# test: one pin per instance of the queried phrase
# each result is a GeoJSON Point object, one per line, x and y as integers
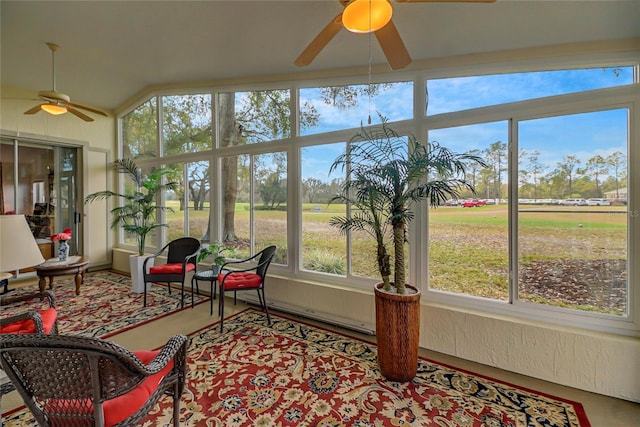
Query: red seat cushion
{"type": "Point", "coordinates": [28, 326]}
{"type": "Point", "coordinates": [122, 407]}
{"type": "Point", "coordinates": [242, 280]}
{"type": "Point", "coordinates": [171, 268]}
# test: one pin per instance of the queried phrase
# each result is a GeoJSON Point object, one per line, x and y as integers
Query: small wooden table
{"type": "Point", "coordinates": [52, 267]}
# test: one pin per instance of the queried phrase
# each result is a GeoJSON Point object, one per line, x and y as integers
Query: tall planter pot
{"type": "Point", "coordinates": [398, 333]}
{"type": "Point", "coordinates": [137, 277]}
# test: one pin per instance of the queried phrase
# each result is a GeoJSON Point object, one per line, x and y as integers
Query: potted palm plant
{"type": "Point", "coordinates": [388, 175]}
{"type": "Point", "coordinates": [137, 209]}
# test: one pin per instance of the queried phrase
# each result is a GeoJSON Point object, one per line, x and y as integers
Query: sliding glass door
{"type": "Point", "coordinates": [40, 181]}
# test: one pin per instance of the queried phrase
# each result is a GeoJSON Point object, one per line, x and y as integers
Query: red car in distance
{"type": "Point", "coordinates": [473, 203]}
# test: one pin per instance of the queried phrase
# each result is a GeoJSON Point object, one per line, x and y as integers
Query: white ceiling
{"type": "Point", "coordinates": [111, 50]}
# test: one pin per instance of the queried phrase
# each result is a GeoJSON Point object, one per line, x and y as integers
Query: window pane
{"type": "Point", "coordinates": [186, 124]}
{"type": "Point", "coordinates": [468, 238]}
{"type": "Point", "coordinates": [140, 131]}
{"type": "Point", "coordinates": [190, 202]}
{"type": "Point", "coordinates": [254, 203]}
{"type": "Point", "coordinates": [324, 109]}
{"type": "Point", "coordinates": [323, 248]}
{"type": "Point", "coordinates": [252, 117]}
{"type": "Point", "coordinates": [199, 199]}
{"type": "Point", "coordinates": [129, 187]}
{"type": "Point", "coordinates": [463, 93]}
{"type": "Point", "coordinates": [270, 203]}
{"type": "Point", "coordinates": [236, 204]}
{"type": "Point", "coordinates": [573, 243]}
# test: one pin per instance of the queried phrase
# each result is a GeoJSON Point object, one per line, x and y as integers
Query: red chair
{"type": "Point", "coordinates": [31, 321]}
{"type": "Point", "coordinates": [68, 380]}
{"type": "Point", "coordinates": [182, 254]}
{"type": "Point", "coordinates": [243, 278]}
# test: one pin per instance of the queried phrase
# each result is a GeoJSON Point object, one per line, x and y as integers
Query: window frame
{"type": "Point", "coordinates": [626, 96]}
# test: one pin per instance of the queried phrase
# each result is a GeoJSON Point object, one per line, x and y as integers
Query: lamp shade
{"type": "Point", "coordinates": [365, 16]}
{"type": "Point", "coordinates": [18, 248]}
{"type": "Point", "coordinates": [54, 109]}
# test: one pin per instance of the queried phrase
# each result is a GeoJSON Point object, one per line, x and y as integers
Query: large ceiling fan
{"type": "Point", "coordinates": [59, 103]}
{"type": "Point", "coordinates": [387, 35]}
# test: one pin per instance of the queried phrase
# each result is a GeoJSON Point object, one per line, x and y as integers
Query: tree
{"type": "Point", "coordinates": [617, 161]}
{"type": "Point", "coordinates": [388, 176]}
{"type": "Point", "coordinates": [568, 169]}
{"type": "Point", "coordinates": [596, 166]}
{"type": "Point", "coordinates": [496, 157]}
{"type": "Point", "coordinates": [273, 190]}
{"type": "Point", "coordinates": [311, 187]}
{"type": "Point", "coordinates": [140, 131]}
{"type": "Point", "coordinates": [535, 169]}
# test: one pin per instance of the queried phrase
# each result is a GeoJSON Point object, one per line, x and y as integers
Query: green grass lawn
{"type": "Point", "coordinates": [468, 247]}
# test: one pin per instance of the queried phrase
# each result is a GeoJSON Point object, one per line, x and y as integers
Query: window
{"type": "Point", "coordinates": [330, 108]}
{"type": "Point", "coordinates": [189, 203]}
{"type": "Point", "coordinates": [255, 203]}
{"type": "Point", "coordinates": [140, 131]}
{"type": "Point", "coordinates": [463, 93]}
{"type": "Point", "coordinates": [252, 117]}
{"type": "Point", "coordinates": [186, 124]}
{"type": "Point", "coordinates": [552, 210]}
{"type": "Point", "coordinates": [468, 237]}
{"type": "Point", "coordinates": [323, 248]}
{"type": "Point", "coordinates": [571, 253]}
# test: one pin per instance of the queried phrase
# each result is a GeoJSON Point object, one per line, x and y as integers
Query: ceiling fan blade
{"type": "Point", "coordinates": [79, 114]}
{"type": "Point", "coordinates": [446, 1]}
{"type": "Point", "coordinates": [34, 109]}
{"type": "Point", "coordinates": [393, 46]}
{"type": "Point", "coordinates": [84, 107]}
{"type": "Point", "coordinates": [322, 39]}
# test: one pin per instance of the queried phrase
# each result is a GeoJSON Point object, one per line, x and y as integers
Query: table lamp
{"type": "Point", "coordinates": [18, 248]}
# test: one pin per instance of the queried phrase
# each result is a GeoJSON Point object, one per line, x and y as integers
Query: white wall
{"type": "Point", "coordinates": [97, 138]}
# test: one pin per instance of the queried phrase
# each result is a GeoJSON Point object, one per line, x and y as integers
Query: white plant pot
{"type": "Point", "coordinates": [137, 278]}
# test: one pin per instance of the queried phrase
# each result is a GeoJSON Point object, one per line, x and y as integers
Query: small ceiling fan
{"type": "Point", "coordinates": [59, 103]}
{"type": "Point", "coordinates": [387, 35]}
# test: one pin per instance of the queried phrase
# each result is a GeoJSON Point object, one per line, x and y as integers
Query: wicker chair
{"type": "Point", "coordinates": [82, 381]}
{"type": "Point", "coordinates": [243, 278]}
{"type": "Point", "coordinates": [30, 321]}
{"type": "Point", "coordinates": [182, 254]}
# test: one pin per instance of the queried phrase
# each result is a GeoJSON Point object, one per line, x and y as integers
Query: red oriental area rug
{"type": "Point", "coordinates": [106, 305]}
{"type": "Point", "coordinates": [295, 374]}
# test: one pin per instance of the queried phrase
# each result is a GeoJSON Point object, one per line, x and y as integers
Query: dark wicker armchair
{"type": "Point", "coordinates": [248, 274]}
{"type": "Point", "coordinates": [82, 381]}
{"type": "Point", "coordinates": [182, 254]}
{"type": "Point", "coordinates": [43, 320]}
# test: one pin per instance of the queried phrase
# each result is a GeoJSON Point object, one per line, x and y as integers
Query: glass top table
{"type": "Point", "coordinates": [210, 275]}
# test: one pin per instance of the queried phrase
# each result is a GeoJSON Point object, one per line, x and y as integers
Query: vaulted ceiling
{"type": "Point", "coordinates": [111, 50]}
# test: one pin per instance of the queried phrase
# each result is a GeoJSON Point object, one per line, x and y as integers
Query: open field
{"type": "Point", "coordinates": [568, 256]}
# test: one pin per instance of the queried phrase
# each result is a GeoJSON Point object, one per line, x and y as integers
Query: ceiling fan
{"type": "Point", "coordinates": [387, 35]}
{"type": "Point", "coordinates": [59, 103]}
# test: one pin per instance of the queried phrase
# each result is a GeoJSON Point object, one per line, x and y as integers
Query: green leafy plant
{"type": "Point", "coordinates": [217, 249]}
{"type": "Point", "coordinates": [388, 174]}
{"type": "Point", "coordinates": [137, 210]}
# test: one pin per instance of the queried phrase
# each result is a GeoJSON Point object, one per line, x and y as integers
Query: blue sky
{"type": "Point", "coordinates": [582, 135]}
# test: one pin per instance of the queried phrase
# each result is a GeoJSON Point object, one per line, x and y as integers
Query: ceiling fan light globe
{"type": "Point", "coordinates": [366, 16]}
{"type": "Point", "coordinates": [54, 109]}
